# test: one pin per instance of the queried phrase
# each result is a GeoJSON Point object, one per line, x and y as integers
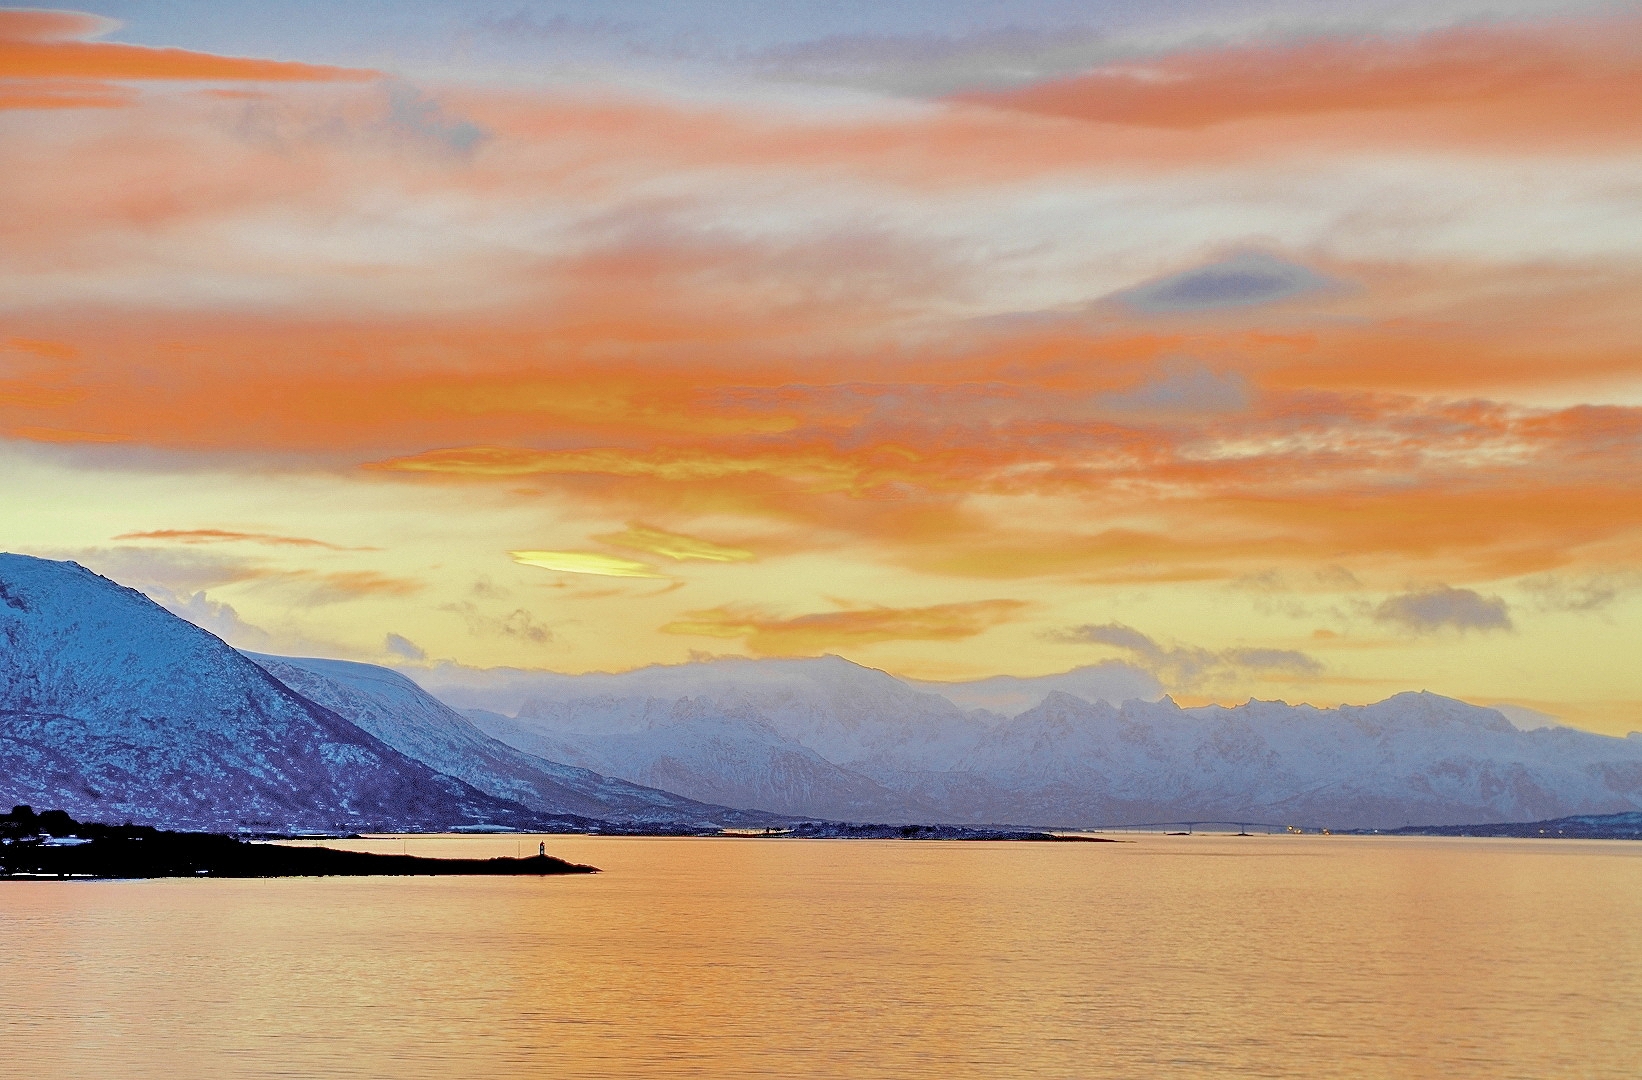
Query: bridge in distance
{"type": "Point", "coordinates": [1243, 827]}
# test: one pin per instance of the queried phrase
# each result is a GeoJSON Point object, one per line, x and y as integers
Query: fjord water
{"type": "Point", "coordinates": [1195, 956]}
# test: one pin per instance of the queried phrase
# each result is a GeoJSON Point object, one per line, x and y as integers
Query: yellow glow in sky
{"type": "Point", "coordinates": [584, 562]}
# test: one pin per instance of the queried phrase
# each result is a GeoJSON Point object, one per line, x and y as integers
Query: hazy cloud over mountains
{"type": "Point", "coordinates": [1187, 665]}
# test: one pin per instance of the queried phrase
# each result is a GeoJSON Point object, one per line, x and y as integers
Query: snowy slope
{"type": "Point", "coordinates": [403, 715]}
{"type": "Point", "coordinates": [113, 709]}
{"type": "Point", "coordinates": [689, 745]}
{"type": "Point", "coordinates": [1411, 758]}
{"type": "Point", "coordinates": [851, 715]}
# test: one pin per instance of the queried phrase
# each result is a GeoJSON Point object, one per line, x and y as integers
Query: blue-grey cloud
{"type": "Point", "coordinates": [1579, 595]}
{"type": "Point", "coordinates": [1114, 634]}
{"type": "Point", "coordinates": [412, 114]}
{"type": "Point", "coordinates": [932, 65]}
{"type": "Point", "coordinates": [1183, 389]}
{"type": "Point", "coordinates": [518, 623]}
{"type": "Point", "coordinates": [1184, 666]}
{"type": "Point", "coordinates": [172, 571]}
{"type": "Point", "coordinates": [1276, 661]}
{"type": "Point", "coordinates": [1244, 280]}
{"type": "Point", "coordinates": [404, 647]}
{"type": "Point", "coordinates": [1441, 607]}
{"type": "Point", "coordinates": [212, 616]}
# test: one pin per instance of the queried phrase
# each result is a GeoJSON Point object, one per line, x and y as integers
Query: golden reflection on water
{"type": "Point", "coordinates": [1200, 956]}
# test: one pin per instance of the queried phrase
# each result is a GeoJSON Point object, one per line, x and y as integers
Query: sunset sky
{"type": "Point", "coordinates": [1282, 349]}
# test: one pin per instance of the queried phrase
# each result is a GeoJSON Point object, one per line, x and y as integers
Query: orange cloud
{"type": "Point", "coordinates": [1457, 91]}
{"type": "Point", "coordinates": [335, 587]}
{"type": "Point", "coordinates": [353, 583]}
{"type": "Point", "coordinates": [35, 433]}
{"type": "Point", "coordinates": [269, 384]}
{"type": "Point", "coordinates": [808, 635]}
{"type": "Point", "coordinates": [43, 26]}
{"type": "Point", "coordinates": [186, 569]}
{"type": "Point", "coordinates": [63, 94]}
{"type": "Point", "coordinates": [676, 546]}
{"type": "Point", "coordinates": [46, 45]}
{"type": "Point", "coordinates": [218, 536]}
{"type": "Point", "coordinates": [1566, 75]}
{"type": "Point", "coordinates": [817, 470]}
{"type": "Point", "coordinates": [919, 470]}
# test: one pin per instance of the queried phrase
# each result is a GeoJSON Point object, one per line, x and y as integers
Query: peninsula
{"type": "Point", "coordinates": [54, 845]}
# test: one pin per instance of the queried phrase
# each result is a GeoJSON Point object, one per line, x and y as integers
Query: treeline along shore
{"type": "Point", "coordinates": [54, 845]}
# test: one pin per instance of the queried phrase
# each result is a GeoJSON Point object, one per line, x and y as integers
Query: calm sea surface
{"type": "Point", "coordinates": [1191, 956]}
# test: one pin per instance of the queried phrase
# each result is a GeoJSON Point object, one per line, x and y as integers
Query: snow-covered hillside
{"type": "Point", "coordinates": [407, 718]}
{"type": "Point", "coordinates": [829, 738]}
{"type": "Point", "coordinates": [1412, 758]}
{"type": "Point", "coordinates": [116, 710]}
{"type": "Point", "coordinates": [843, 711]}
{"type": "Point", "coordinates": [688, 745]}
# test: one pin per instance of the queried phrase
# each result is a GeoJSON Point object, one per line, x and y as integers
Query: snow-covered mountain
{"type": "Point", "coordinates": [829, 738]}
{"type": "Point", "coordinates": [1009, 695]}
{"type": "Point", "coordinates": [847, 713]}
{"type": "Point", "coordinates": [692, 746]}
{"type": "Point", "coordinates": [1414, 757]}
{"type": "Point", "coordinates": [116, 710]}
{"type": "Point", "coordinates": [407, 718]}
{"type": "Point", "coordinates": [801, 737]}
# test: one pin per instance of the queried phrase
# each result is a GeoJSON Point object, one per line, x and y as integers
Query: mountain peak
{"type": "Point", "coordinates": [112, 708]}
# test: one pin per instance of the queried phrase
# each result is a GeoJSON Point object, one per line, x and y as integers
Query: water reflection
{"type": "Point", "coordinates": [1192, 956]}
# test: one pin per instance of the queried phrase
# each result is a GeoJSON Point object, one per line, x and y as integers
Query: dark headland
{"type": "Point", "coordinates": [52, 844]}
{"type": "Point", "coordinates": [1624, 826]}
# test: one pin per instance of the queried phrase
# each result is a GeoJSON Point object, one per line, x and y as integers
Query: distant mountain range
{"type": "Point", "coordinates": [113, 709]}
{"type": "Point", "coordinates": [829, 738]}
{"type": "Point", "coordinates": [395, 710]}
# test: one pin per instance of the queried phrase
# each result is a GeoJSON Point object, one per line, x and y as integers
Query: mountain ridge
{"type": "Point", "coordinates": [1066, 762]}
{"type": "Point", "coordinates": [112, 708]}
{"type": "Point", "coordinates": [394, 709]}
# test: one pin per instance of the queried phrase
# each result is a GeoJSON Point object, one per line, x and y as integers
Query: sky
{"type": "Point", "coordinates": [1280, 349]}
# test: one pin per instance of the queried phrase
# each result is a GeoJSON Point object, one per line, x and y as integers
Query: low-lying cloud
{"type": "Point", "coordinates": [212, 616]}
{"type": "Point", "coordinates": [1186, 666]}
{"type": "Point", "coordinates": [1566, 594]}
{"type": "Point", "coordinates": [810, 635]}
{"type": "Point", "coordinates": [175, 572]}
{"type": "Point", "coordinates": [519, 623]}
{"type": "Point", "coordinates": [404, 648]}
